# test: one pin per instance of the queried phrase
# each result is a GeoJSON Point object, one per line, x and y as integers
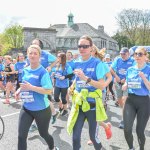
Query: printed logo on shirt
{"type": "Point", "coordinates": [33, 76]}
{"type": "Point", "coordinates": [90, 69]}
{"type": "Point", "coordinates": [130, 62]}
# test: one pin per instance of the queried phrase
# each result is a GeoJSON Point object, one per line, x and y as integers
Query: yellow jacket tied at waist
{"type": "Point", "coordinates": [79, 100]}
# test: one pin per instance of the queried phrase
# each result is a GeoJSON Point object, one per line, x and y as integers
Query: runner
{"type": "Point", "coordinates": [118, 69]}
{"type": "Point", "coordinates": [88, 82]}
{"type": "Point", "coordinates": [137, 104]}
{"type": "Point", "coordinates": [35, 86]}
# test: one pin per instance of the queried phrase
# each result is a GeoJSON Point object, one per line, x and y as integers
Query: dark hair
{"type": "Point", "coordinates": [41, 45]}
{"type": "Point", "coordinates": [63, 60]}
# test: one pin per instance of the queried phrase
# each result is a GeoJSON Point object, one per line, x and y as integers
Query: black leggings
{"type": "Point", "coordinates": [63, 92]}
{"type": "Point", "coordinates": [139, 107]}
{"type": "Point", "coordinates": [93, 129]}
{"type": "Point", "coordinates": [42, 119]}
{"type": "Point", "coordinates": [110, 86]}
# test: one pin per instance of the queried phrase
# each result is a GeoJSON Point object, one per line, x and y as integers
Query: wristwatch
{"type": "Point", "coordinates": [88, 80]}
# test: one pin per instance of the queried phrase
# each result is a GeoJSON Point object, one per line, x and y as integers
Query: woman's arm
{"type": "Point", "coordinates": [41, 90]}
{"type": "Point", "coordinates": [146, 82]}
{"type": "Point", "coordinates": [100, 84]}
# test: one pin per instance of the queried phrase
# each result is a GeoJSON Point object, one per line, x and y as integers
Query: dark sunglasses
{"type": "Point", "coordinates": [83, 46]}
{"type": "Point", "coordinates": [139, 54]}
{"type": "Point", "coordinates": [122, 53]}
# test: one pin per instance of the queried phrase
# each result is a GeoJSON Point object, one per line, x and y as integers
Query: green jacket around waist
{"type": "Point", "coordinates": [79, 100]}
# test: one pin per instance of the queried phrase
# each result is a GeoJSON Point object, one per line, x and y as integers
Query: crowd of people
{"type": "Point", "coordinates": [81, 82]}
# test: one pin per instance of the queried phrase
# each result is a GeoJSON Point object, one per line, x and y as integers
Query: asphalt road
{"type": "Point", "coordinates": [10, 115]}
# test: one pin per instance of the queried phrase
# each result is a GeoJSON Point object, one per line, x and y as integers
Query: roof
{"type": "Point", "coordinates": [79, 29]}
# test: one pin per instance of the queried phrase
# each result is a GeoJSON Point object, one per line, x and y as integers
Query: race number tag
{"type": "Point", "coordinates": [134, 85]}
{"type": "Point", "coordinates": [27, 96]}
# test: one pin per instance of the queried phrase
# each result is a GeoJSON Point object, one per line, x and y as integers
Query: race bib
{"type": "Point", "coordinates": [134, 85]}
{"type": "Point", "coordinates": [122, 71]}
{"type": "Point", "coordinates": [27, 96]}
{"type": "Point", "coordinates": [82, 84]}
{"type": "Point", "coordinates": [58, 75]}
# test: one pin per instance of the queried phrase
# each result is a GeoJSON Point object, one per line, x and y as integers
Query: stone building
{"type": "Point", "coordinates": [46, 35]}
{"type": "Point", "coordinates": [66, 36]}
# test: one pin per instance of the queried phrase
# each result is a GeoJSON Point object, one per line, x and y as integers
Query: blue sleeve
{"type": "Point", "coordinates": [106, 66]}
{"type": "Point", "coordinates": [69, 70]}
{"type": "Point", "coordinates": [3, 67]}
{"type": "Point", "coordinates": [101, 70]}
{"type": "Point", "coordinates": [46, 82]}
{"type": "Point", "coordinates": [114, 64]}
{"type": "Point", "coordinates": [15, 67]}
{"type": "Point", "coordinates": [51, 58]}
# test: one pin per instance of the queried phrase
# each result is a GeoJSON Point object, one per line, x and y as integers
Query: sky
{"type": "Point", "coordinates": [42, 13]}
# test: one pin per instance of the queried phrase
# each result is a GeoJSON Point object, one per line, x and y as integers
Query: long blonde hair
{"type": "Point", "coordinates": [99, 53]}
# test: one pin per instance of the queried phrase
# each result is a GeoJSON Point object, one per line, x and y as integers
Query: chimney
{"type": "Point", "coordinates": [101, 28]}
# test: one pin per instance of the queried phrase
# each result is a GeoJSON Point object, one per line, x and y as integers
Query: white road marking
{"type": "Point", "coordinates": [10, 114]}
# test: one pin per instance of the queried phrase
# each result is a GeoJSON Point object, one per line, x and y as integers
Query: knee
{"type": "Point", "coordinates": [44, 134]}
{"type": "Point", "coordinates": [127, 131]}
{"type": "Point", "coordinates": [64, 101]}
{"type": "Point", "coordinates": [56, 98]}
{"type": "Point", "coordinates": [140, 133]}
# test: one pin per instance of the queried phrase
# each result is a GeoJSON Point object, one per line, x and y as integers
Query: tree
{"type": "Point", "coordinates": [4, 46]}
{"type": "Point", "coordinates": [13, 34]}
{"type": "Point", "coordinates": [123, 41]}
{"type": "Point", "coordinates": [135, 24]}
{"type": "Point", "coordinates": [144, 29]}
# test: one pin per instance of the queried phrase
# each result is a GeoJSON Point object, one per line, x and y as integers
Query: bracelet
{"type": "Point", "coordinates": [88, 80]}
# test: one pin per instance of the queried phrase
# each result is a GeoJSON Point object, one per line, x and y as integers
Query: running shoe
{"type": "Point", "coordinates": [117, 104]}
{"type": "Point", "coordinates": [60, 110]}
{"type": "Point", "coordinates": [121, 125]}
{"type": "Point", "coordinates": [90, 143]}
{"type": "Point", "coordinates": [6, 101]}
{"type": "Point", "coordinates": [108, 131]}
{"type": "Point", "coordinates": [65, 112]}
{"type": "Point", "coordinates": [54, 117]}
{"type": "Point", "coordinates": [56, 148]}
{"type": "Point", "coordinates": [33, 128]}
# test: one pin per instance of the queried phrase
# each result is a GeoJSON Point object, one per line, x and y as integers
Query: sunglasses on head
{"type": "Point", "coordinates": [139, 54]}
{"type": "Point", "coordinates": [83, 46]}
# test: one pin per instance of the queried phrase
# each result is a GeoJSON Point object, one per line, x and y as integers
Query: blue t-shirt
{"type": "Point", "coordinates": [19, 66]}
{"type": "Point", "coordinates": [109, 64]}
{"type": "Point", "coordinates": [120, 66]}
{"type": "Point", "coordinates": [1, 69]}
{"type": "Point", "coordinates": [71, 64]}
{"type": "Point", "coordinates": [134, 81]}
{"type": "Point", "coordinates": [58, 73]}
{"type": "Point", "coordinates": [93, 68]}
{"type": "Point", "coordinates": [46, 59]}
{"type": "Point", "coordinates": [39, 77]}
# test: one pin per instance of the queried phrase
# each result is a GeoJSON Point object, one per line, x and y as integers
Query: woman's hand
{"type": "Point", "coordinates": [141, 74]}
{"type": "Point", "coordinates": [26, 86]}
{"type": "Point", "coordinates": [80, 74]}
{"type": "Point", "coordinates": [62, 77]}
{"type": "Point", "coordinates": [124, 86]}
{"type": "Point", "coordinates": [17, 95]}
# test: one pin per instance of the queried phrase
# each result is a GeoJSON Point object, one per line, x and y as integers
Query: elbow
{"type": "Point", "coordinates": [48, 92]}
